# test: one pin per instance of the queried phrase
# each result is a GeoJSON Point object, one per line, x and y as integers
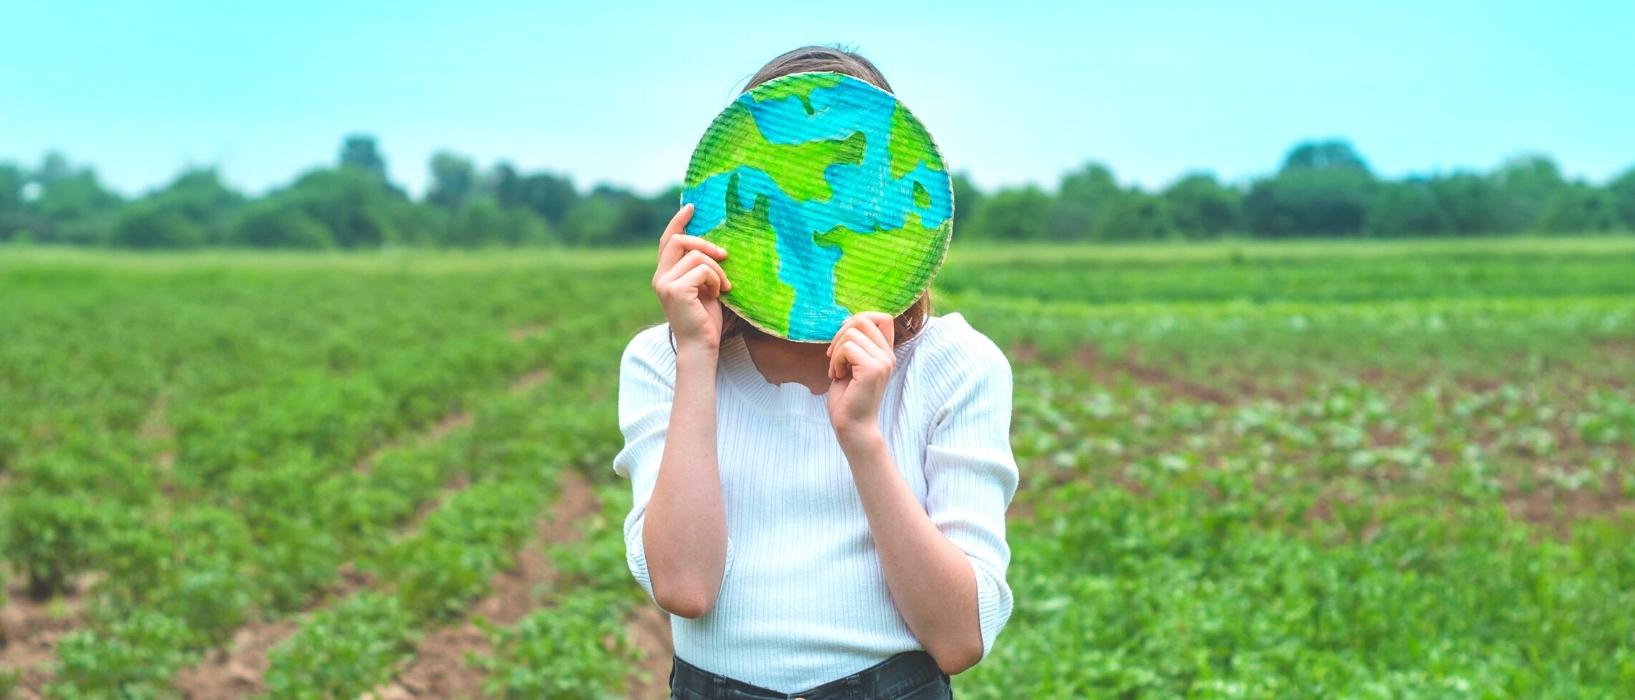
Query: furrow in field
{"type": "Point", "coordinates": [521, 333]}
{"type": "Point", "coordinates": [30, 630]}
{"type": "Point", "coordinates": [432, 434]}
{"type": "Point", "coordinates": [439, 669]}
{"type": "Point", "coordinates": [460, 418]}
{"type": "Point", "coordinates": [649, 630]}
{"type": "Point", "coordinates": [157, 431]}
{"type": "Point", "coordinates": [238, 669]}
{"type": "Point", "coordinates": [1115, 371]}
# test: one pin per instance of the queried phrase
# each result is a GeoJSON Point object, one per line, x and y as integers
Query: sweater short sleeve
{"type": "Point", "coordinates": [647, 373]}
{"type": "Point", "coordinates": [970, 470]}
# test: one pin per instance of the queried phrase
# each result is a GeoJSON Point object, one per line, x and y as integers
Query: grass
{"type": "Point", "coordinates": [1291, 469]}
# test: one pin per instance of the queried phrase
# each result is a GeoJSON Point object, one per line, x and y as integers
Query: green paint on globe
{"type": "Point", "coordinates": [830, 198]}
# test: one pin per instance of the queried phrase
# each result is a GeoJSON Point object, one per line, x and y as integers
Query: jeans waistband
{"type": "Point", "coordinates": [884, 680]}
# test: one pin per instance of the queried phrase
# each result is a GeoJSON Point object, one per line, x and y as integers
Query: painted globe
{"type": "Point", "coordinates": [830, 198]}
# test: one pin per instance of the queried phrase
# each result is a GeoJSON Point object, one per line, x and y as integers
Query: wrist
{"type": "Point", "coordinates": [697, 352]}
{"type": "Point", "coordinates": [859, 442]}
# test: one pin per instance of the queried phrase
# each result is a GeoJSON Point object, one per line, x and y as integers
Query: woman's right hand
{"type": "Point", "coordinates": [689, 282]}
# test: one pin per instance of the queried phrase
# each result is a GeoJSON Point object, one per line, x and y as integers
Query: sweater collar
{"type": "Point", "coordinates": [792, 397]}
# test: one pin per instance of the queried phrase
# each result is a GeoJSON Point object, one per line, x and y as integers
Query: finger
{"type": "Point", "coordinates": [693, 258]}
{"type": "Point", "coordinates": [726, 284]}
{"type": "Point", "coordinates": [681, 243]}
{"type": "Point", "coordinates": [886, 325]}
{"type": "Point", "coordinates": [835, 341]}
{"type": "Point", "coordinates": [857, 335]}
{"type": "Point", "coordinates": [677, 279]}
{"type": "Point", "coordinates": [693, 245]}
{"type": "Point", "coordinates": [684, 243]}
{"type": "Point", "coordinates": [881, 340]}
{"type": "Point", "coordinates": [880, 355]}
{"type": "Point", "coordinates": [678, 223]}
{"type": "Point", "coordinates": [837, 360]}
{"type": "Point", "coordinates": [840, 334]}
{"type": "Point", "coordinates": [702, 278]}
{"type": "Point", "coordinates": [855, 355]}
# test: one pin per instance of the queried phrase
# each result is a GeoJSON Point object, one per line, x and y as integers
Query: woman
{"type": "Point", "coordinates": [816, 537]}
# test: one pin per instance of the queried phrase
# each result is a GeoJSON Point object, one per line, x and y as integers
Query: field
{"type": "Point", "coordinates": [1248, 470]}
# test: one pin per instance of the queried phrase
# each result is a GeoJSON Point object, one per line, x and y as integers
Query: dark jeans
{"type": "Point", "coordinates": [910, 675]}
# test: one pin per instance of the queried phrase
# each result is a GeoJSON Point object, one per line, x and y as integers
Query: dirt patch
{"type": "Point", "coordinates": [439, 430]}
{"type": "Point", "coordinates": [649, 630]}
{"type": "Point", "coordinates": [1556, 509]}
{"type": "Point", "coordinates": [237, 670]}
{"type": "Point", "coordinates": [529, 380]}
{"type": "Point", "coordinates": [30, 630]}
{"type": "Point", "coordinates": [1616, 349]}
{"type": "Point", "coordinates": [1109, 371]}
{"type": "Point", "coordinates": [1023, 352]}
{"type": "Point", "coordinates": [439, 669]}
{"type": "Point", "coordinates": [1020, 509]}
{"type": "Point", "coordinates": [521, 333]}
{"type": "Point", "coordinates": [1092, 360]}
{"type": "Point", "coordinates": [157, 431]}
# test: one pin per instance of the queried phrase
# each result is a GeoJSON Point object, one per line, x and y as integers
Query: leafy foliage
{"type": "Point", "coordinates": [343, 651]}
{"type": "Point", "coordinates": [1250, 469]}
{"type": "Point", "coordinates": [576, 650]}
{"type": "Point", "coordinates": [1324, 189]}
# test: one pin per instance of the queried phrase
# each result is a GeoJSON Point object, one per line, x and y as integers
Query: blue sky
{"type": "Point", "coordinates": [1013, 92]}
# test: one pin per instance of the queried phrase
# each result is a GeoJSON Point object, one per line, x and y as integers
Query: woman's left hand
{"type": "Point", "coordinates": [861, 360]}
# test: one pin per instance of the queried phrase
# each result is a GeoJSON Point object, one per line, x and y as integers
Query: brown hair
{"type": "Point", "coordinates": [808, 59]}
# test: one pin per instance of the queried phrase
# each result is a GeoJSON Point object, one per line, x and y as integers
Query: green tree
{"type": "Point", "coordinates": [360, 151]}
{"type": "Point", "coordinates": [1201, 207]}
{"type": "Point", "coordinates": [149, 223]}
{"type": "Point", "coordinates": [279, 222]}
{"type": "Point", "coordinates": [197, 198]}
{"type": "Point", "coordinates": [72, 206]}
{"type": "Point", "coordinates": [1407, 208]}
{"type": "Point", "coordinates": [13, 207]}
{"type": "Point", "coordinates": [1579, 208]}
{"type": "Point", "coordinates": [1526, 184]}
{"type": "Point", "coordinates": [1013, 215]}
{"type": "Point", "coordinates": [1470, 202]}
{"type": "Point", "coordinates": [504, 184]}
{"type": "Point", "coordinates": [453, 180]}
{"type": "Point", "coordinates": [1136, 216]}
{"type": "Point", "coordinates": [1310, 203]}
{"type": "Point", "coordinates": [1326, 155]}
{"type": "Point", "coordinates": [618, 215]}
{"type": "Point", "coordinates": [1079, 200]}
{"type": "Point", "coordinates": [549, 195]}
{"type": "Point", "coordinates": [356, 208]}
{"type": "Point", "coordinates": [593, 221]}
{"type": "Point", "coordinates": [53, 167]}
{"type": "Point", "coordinates": [660, 207]}
{"type": "Point", "coordinates": [482, 222]}
{"type": "Point", "coordinates": [967, 200]}
{"type": "Point", "coordinates": [1323, 189]}
{"type": "Point", "coordinates": [1622, 191]}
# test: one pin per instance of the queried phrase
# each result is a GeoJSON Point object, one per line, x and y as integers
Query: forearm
{"type": "Point", "coordinates": [685, 531]}
{"type": "Point", "coordinates": [931, 580]}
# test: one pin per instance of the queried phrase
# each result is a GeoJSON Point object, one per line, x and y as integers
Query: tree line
{"type": "Point", "coordinates": [1323, 189]}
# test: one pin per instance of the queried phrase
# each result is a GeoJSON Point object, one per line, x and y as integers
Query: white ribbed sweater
{"type": "Point", "coordinates": [804, 599]}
